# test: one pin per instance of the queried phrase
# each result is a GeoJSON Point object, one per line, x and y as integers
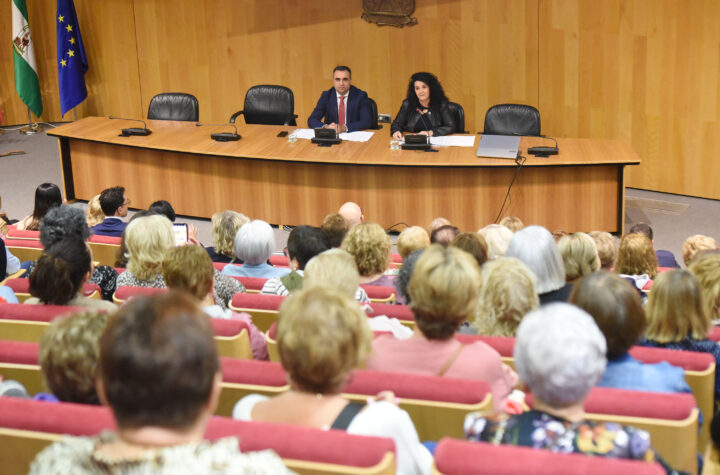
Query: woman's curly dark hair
{"type": "Point", "coordinates": [437, 94]}
{"type": "Point", "coordinates": [61, 222]}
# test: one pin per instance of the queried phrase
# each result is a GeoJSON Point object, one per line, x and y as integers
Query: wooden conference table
{"type": "Point", "coordinates": [266, 177]}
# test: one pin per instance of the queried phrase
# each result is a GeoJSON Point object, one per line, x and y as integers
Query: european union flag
{"type": "Point", "coordinates": [72, 62]}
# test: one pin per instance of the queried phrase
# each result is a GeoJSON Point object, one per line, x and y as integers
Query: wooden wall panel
{"type": "Point", "coordinates": [108, 33]}
{"type": "Point", "coordinates": [645, 71]}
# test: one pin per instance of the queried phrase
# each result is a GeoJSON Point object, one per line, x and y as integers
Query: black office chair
{"type": "Point", "coordinates": [268, 105]}
{"type": "Point", "coordinates": [512, 119]}
{"type": "Point", "coordinates": [373, 114]}
{"type": "Point", "coordinates": [459, 113]}
{"type": "Point", "coordinates": [174, 106]}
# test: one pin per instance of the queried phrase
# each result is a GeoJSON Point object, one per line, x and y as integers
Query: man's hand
{"type": "Point", "coordinates": [333, 126]}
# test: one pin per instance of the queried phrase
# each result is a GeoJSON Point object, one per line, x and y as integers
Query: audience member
{"type": "Point", "coordinates": [617, 310]}
{"type": "Point", "coordinates": [664, 258]}
{"type": "Point", "coordinates": [560, 354]}
{"type": "Point", "coordinates": [322, 336]}
{"type": "Point", "coordinates": [66, 221]}
{"type": "Point", "coordinates": [695, 244]}
{"type": "Point", "coordinates": [677, 319]}
{"type": "Point", "coordinates": [436, 223]}
{"type": "Point", "coordinates": [579, 255]}
{"type": "Point", "coordinates": [225, 226]}
{"type": "Point", "coordinates": [304, 243]}
{"type": "Point", "coordinates": [254, 243]}
{"type": "Point", "coordinates": [159, 373]}
{"type": "Point", "coordinates": [121, 259]}
{"type": "Point", "coordinates": [370, 246]}
{"type": "Point", "coordinates": [513, 223]}
{"type": "Point", "coordinates": [559, 234]}
{"type": "Point", "coordinates": [411, 239]}
{"type": "Point", "coordinates": [335, 268]}
{"type": "Point", "coordinates": [507, 294]}
{"type": "Point", "coordinates": [190, 270]}
{"type": "Point", "coordinates": [115, 204]}
{"type": "Point", "coordinates": [335, 227]}
{"type": "Point", "coordinates": [59, 276]}
{"type": "Point", "coordinates": [444, 235]}
{"type": "Point", "coordinates": [444, 291]}
{"type": "Point", "coordinates": [497, 238]}
{"type": "Point", "coordinates": [706, 269]}
{"type": "Point", "coordinates": [607, 248]}
{"type": "Point", "coordinates": [636, 259]}
{"type": "Point", "coordinates": [403, 278]}
{"type": "Point", "coordinates": [94, 212]}
{"type": "Point", "coordinates": [536, 248]}
{"type": "Point", "coordinates": [474, 244]}
{"type": "Point", "coordinates": [69, 353]}
{"type": "Point", "coordinates": [164, 208]}
{"type": "Point", "coordinates": [352, 212]}
{"type": "Point", "coordinates": [47, 196]}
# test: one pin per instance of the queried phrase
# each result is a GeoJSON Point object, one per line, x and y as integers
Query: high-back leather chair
{"type": "Point", "coordinates": [174, 106]}
{"type": "Point", "coordinates": [459, 113]}
{"type": "Point", "coordinates": [373, 114]}
{"type": "Point", "coordinates": [268, 105]}
{"type": "Point", "coordinates": [512, 119]}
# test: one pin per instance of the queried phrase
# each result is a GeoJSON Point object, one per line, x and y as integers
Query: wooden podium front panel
{"type": "Point", "coordinates": [571, 198]}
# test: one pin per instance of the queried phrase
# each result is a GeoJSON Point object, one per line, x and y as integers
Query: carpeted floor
{"type": "Point", "coordinates": [672, 217]}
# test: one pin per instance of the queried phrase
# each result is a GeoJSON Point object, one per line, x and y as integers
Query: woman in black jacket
{"type": "Point", "coordinates": [425, 109]}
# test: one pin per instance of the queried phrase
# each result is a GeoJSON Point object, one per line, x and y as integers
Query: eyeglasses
{"type": "Point", "coordinates": [126, 203]}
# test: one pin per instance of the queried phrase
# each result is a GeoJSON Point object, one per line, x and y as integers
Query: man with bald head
{"type": "Point", "coordinates": [352, 212]}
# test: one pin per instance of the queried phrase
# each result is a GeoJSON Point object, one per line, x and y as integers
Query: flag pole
{"type": "Point", "coordinates": [31, 128]}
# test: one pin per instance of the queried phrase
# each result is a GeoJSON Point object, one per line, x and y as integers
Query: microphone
{"type": "Point", "coordinates": [422, 116]}
{"type": "Point", "coordinates": [133, 130]}
{"type": "Point", "coordinates": [222, 136]}
{"type": "Point", "coordinates": [544, 152]}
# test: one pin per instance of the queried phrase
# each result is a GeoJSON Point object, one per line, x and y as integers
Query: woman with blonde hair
{"type": "Point", "coordinates": [677, 319]}
{"type": "Point", "coordinates": [322, 336]}
{"type": "Point", "coordinates": [444, 291]}
{"type": "Point", "coordinates": [94, 212]}
{"type": "Point", "coordinates": [579, 254]}
{"type": "Point", "coordinates": [370, 246]}
{"type": "Point", "coordinates": [411, 239]}
{"type": "Point", "coordinates": [335, 268]}
{"type": "Point", "coordinates": [147, 239]}
{"type": "Point", "coordinates": [607, 248]}
{"type": "Point", "coordinates": [637, 259]}
{"type": "Point", "coordinates": [695, 244]}
{"type": "Point", "coordinates": [497, 238]}
{"type": "Point", "coordinates": [225, 226]}
{"type": "Point", "coordinates": [513, 223]}
{"type": "Point", "coordinates": [706, 269]}
{"type": "Point", "coordinates": [507, 293]}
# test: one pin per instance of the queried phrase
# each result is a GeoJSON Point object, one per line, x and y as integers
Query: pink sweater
{"type": "Point", "coordinates": [476, 361]}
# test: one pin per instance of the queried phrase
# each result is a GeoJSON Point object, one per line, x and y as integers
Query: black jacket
{"type": "Point", "coordinates": [409, 119]}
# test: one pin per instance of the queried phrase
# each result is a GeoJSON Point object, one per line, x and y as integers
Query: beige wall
{"type": "Point", "coordinates": [642, 70]}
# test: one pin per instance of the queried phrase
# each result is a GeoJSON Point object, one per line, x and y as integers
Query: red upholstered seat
{"type": "Point", "coordinates": [418, 386]}
{"type": "Point", "coordinates": [55, 418]}
{"type": "Point", "coordinates": [99, 239]}
{"type": "Point", "coordinates": [23, 243]}
{"type": "Point", "coordinates": [257, 301]}
{"type": "Point", "coordinates": [272, 332]}
{"type": "Point", "coordinates": [303, 443]}
{"type": "Point", "coordinates": [501, 344]}
{"type": "Point", "coordinates": [715, 334]}
{"type": "Point", "coordinates": [251, 283]}
{"type": "Point", "coordinates": [261, 373]}
{"type": "Point", "coordinates": [222, 327]}
{"type": "Point", "coordinates": [19, 352]}
{"type": "Point", "coordinates": [220, 265]}
{"type": "Point", "coordinates": [687, 360]}
{"type": "Point", "coordinates": [124, 293]}
{"type": "Point", "coordinates": [22, 234]}
{"type": "Point", "coordinates": [38, 313]}
{"type": "Point", "coordinates": [397, 258]}
{"type": "Point", "coordinates": [621, 402]}
{"type": "Point", "coordinates": [460, 457]}
{"type": "Point", "coordinates": [401, 312]}
{"type": "Point", "coordinates": [22, 286]}
{"type": "Point", "coordinates": [279, 261]}
{"type": "Point", "coordinates": [378, 292]}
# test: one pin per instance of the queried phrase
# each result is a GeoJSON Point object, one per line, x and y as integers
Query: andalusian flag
{"type": "Point", "coordinates": [26, 78]}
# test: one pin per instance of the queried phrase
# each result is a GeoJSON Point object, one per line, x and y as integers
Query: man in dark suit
{"type": "Point", "coordinates": [115, 205]}
{"type": "Point", "coordinates": [343, 107]}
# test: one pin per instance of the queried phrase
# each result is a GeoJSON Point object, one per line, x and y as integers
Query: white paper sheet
{"type": "Point", "coordinates": [453, 141]}
{"type": "Point", "coordinates": [304, 133]}
{"type": "Point", "coordinates": [360, 136]}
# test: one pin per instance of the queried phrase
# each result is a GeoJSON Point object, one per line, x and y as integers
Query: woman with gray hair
{"type": "Point", "coordinates": [536, 248]}
{"type": "Point", "coordinates": [65, 221]}
{"type": "Point", "coordinates": [560, 354]}
{"type": "Point", "coordinates": [254, 243]}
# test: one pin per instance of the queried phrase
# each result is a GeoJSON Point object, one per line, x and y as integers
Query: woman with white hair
{"type": "Point", "coordinates": [560, 354]}
{"type": "Point", "coordinates": [536, 248]}
{"type": "Point", "coordinates": [497, 238]}
{"type": "Point", "coordinates": [254, 243]}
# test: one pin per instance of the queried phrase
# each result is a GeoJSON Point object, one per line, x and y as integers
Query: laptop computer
{"type": "Point", "coordinates": [499, 146]}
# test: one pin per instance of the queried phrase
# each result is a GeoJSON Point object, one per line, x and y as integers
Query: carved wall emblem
{"type": "Point", "coordinates": [389, 12]}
